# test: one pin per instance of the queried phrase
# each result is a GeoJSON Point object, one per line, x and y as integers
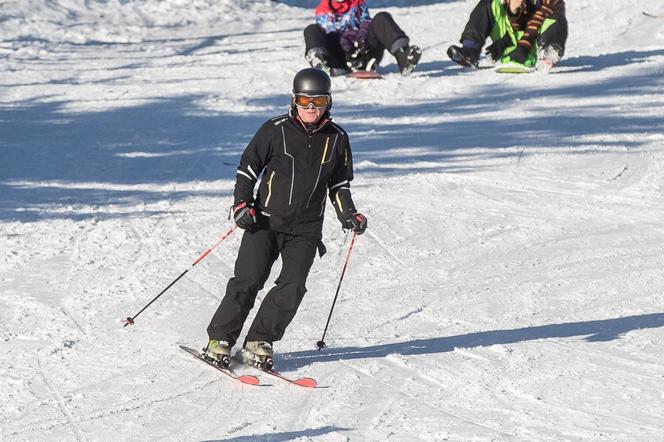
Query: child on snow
{"type": "Point", "coordinates": [346, 39]}
{"type": "Point", "coordinates": [530, 33]}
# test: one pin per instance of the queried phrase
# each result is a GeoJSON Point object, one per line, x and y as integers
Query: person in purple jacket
{"type": "Point", "coordinates": [346, 39]}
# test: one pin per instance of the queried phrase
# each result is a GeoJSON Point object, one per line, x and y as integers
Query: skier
{"type": "Point", "coordinates": [531, 33]}
{"type": "Point", "coordinates": [346, 39]}
{"type": "Point", "coordinates": [302, 156]}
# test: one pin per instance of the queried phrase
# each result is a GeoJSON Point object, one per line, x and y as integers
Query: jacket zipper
{"type": "Point", "coordinates": [269, 188]}
{"type": "Point", "coordinates": [322, 161]}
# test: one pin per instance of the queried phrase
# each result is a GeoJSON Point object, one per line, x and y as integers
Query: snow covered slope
{"type": "Point", "coordinates": [509, 286]}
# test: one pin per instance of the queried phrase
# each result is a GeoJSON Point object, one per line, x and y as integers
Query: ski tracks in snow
{"type": "Point", "coordinates": [492, 231]}
{"type": "Point", "coordinates": [396, 384]}
{"type": "Point", "coordinates": [59, 400]}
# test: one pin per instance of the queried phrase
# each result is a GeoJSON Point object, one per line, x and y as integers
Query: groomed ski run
{"type": "Point", "coordinates": [508, 288]}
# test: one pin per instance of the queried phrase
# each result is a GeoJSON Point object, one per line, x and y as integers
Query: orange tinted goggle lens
{"type": "Point", "coordinates": [318, 100]}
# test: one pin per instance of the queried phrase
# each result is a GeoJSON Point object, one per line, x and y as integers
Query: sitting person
{"type": "Point", "coordinates": [531, 33]}
{"type": "Point", "coordinates": [346, 39]}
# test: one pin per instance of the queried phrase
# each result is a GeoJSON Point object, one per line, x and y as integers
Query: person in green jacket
{"type": "Point", "coordinates": [529, 33]}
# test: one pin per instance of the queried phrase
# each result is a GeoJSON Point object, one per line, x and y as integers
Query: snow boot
{"type": "Point", "coordinates": [219, 352]}
{"type": "Point", "coordinates": [258, 353]}
{"type": "Point", "coordinates": [548, 56]}
{"type": "Point", "coordinates": [407, 59]}
{"type": "Point", "coordinates": [317, 59]}
{"type": "Point", "coordinates": [465, 56]}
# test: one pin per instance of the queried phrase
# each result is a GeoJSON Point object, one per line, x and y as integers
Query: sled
{"type": "Point", "coordinates": [514, 69]}
{"type": "Point", "coordinates": [364, 75]}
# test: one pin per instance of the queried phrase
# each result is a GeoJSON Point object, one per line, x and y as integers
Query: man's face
{"type": "Point", "coordinates": [311, 107]}
{"type": "Point", "coordinates": [311, 114]}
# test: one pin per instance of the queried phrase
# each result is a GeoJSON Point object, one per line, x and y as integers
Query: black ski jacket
{"type": "Point", "coordinates": [299, 166]}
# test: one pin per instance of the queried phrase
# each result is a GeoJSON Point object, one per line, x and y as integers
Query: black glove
{"type": "Point", "coordinates": [495, 50]}
{"type": "Point", "coordinates": [357, 58]}
{"type": "Point", "coordinates": [520, 54]}
{"type": "Point", "coordinates": [244, 216]}
{"type": "Point", "coordinates": [355, 222]}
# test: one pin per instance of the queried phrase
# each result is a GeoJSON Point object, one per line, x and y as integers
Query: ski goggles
{"type": "Point", "coordinates": [306, 100]}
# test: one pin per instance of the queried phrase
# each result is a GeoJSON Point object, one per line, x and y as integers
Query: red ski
{"type": "Point", "coordinates": [300, 382]}
{"type": "Point", "coordinates": [245, 379]}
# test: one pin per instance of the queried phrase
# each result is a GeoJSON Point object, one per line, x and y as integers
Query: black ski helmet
{"type": "Point", "coordinates": [311, 81]}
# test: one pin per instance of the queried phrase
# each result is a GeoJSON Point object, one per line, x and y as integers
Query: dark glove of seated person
{"type": "Point", "coordinates": [244, 216]}
{"type": "Point", "coordinates": [520, 54]}
{"type": "Point", "coordinates": [355, 222]}
{"type": "Point", "coordinates": [495, 50]}
{"type": "Point", "coordinates": [356, 58]}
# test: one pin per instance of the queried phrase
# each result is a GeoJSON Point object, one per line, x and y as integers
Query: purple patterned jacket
{"type": "Point", "coordinates": [350, 18]}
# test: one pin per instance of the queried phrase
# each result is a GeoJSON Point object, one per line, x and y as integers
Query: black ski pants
{"type": "Point", "coordinates": [481, 23]}
{"type": "Point", "coordinates": [384, 33]}
{"type": "Point", "coordinates": [258, 252]}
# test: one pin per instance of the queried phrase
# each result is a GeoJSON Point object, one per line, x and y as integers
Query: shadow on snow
{"type": "Point", "coordinates": [601, 62]}
{"type": "Point", "coordinates": [285, 436]}
{"type": "Point", "coordinates": [53, 158]}
{"type": "Point", "coordinates": [594, 331]}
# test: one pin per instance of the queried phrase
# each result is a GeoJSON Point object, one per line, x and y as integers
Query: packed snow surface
{"type": "Point", "coordinates": [509, 287]}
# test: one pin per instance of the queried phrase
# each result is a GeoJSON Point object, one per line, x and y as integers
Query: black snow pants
{"type": "Point", "coordinates": [481, 23]}
{"type": "Point", "coordinates": [258, 252]}
{"type": "Point", "coordinates": [384, 33]}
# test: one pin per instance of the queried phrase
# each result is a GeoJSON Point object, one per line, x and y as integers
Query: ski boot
{"type": "Point", "coordinates": [218, 352]}
{"type": "Point", "coordinates": [465, 56]}
{"type": "Point", "coordinates": [407, 59]}
{"type": "Point", "coordinates": [548, 56]}
{"type": "Point", "coordinates": [259, 354]}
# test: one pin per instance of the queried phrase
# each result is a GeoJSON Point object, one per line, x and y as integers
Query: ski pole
{"type": "Point", "coordinates": [321, 344]}
{"type": "Point", "coordinates": [130, 319]}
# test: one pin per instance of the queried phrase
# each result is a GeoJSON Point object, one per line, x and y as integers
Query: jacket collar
{"type": "Point", "coordinates": [310, 128]}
